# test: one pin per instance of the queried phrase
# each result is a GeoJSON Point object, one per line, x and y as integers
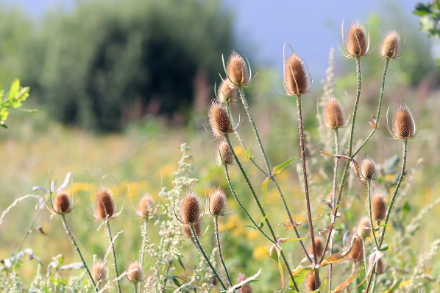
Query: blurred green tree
{"type": "Point", "coordinates": [429, 18]}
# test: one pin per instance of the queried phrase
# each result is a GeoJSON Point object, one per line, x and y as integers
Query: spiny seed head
{"type": "Point", "coordinates": [403, 123]}
{"type": "Point", "coordinates": [356, 252]}
{"type": "Point", "coordinates": [319, 245]}
{"type": "Point", "coordinates": [246, 288]}
{"type": "Point", "coordinates": [99, 271]}
{"type": "Point", "coordinates": [364, 227]}
{"type": "Point", "coordinates": [237, 70]}
{"type": "Point", "coordinates": [356, 40]}
{"type": "Point", "coordinates": [219, 119]}
{"type": "Point", "coordinates": [190, 208]}
{"type": "Point", "coordinates": [310, 283]}
{"type": "Point", "coordinates": [295, 78]}
{"type": "Point", "coordinates": [368, 169]}
{"type": "Point", "coordinates": [224, 154]}
{"type": "Point", "coordinates": [217, 202]}
{"type": "Point", "coordinates": [186, 231]}
{"type": "Point", "coordinates": [333, 114]}
{"type": "Point", "coordinates": [104, 206]}
{"type": "Point", "coordinates": [378, 207]}
{"type": "Point", "coordinates": [226, 93]}
{"type": "Point", "coordinates": [61, 203]}
{"type": "Point", "coordinates": [134, 272]}
{"type": "Point", "coordinates": [145, 206]}
{"type": "Point", "coordinates": [390, 47]}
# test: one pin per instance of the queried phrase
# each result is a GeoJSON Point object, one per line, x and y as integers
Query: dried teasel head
{"type": "Point", "coordinates": [245, 288]}
{"type": "Point", "coordinates": [319, 245]}
{"type": "Point", "coordinates": [356, 252]}
{"type": "Point", "coordinates": [404, 125]}
{"type": "Point", "coordinates": [104, 205]}
{"type": "Point", "coordinates": [390, 47]}
{"type": "Point", "coordinates": [217, 202]}
{"type": "Point", "coordinates": [237, 70]}
{"type": "Point", "coordinates": [145, 206]}
{"type": "Point", "coordinates": [368, 169]}
{"type": "Point", "coordinates": [380, 267]}
{"type": "Point", "coordinates": [134, 272]}
{"type": "Point", "coordinates": [226, 93]}
{"type": "Point", "coordinates": [364, 227]}
{"type": "Point", "coordinates": [224, 154]}
{"type": "Point", "coordinates": [357, 41]}
{"type": "Point", "coordinates": [219, 120]}
{"type": "Point", "coordinates": [310, 283]}
{"type": "Point", "coordinates": [296, 81]}
{"type": "Point", "coordinates": [190, 208]}
{"type": "Point", "coordinates": [186, 230]}
{"type": "Point", "coordinates": [378, 207]}
{"type": "Point", "coordinates": [334, 117]}
{"type": "Point", "coordinates": [99, 272]}
{"type": "Point", "coordinates": [61, 203]}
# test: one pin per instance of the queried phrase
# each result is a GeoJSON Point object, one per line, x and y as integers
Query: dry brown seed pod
{"type": "Point", "coordinates": [319, 245]}
{"type": "Point", "coordinates": [134, 272]}
{"type": "Point", "coordinates": [217, 202]}
{"type": "Point", "coordinates": [333, 114]}
{"type": "Point", "coordinates": [219, 120]}
{"type": "Point", "coordinates": [356, 252]}
{"type": "Point", "coordinates": [226, 93]}
{"type": "Point", "coordinates": [104, 205]}
{"type": "Point", "coordinates": [224, 154]}
{"type": "Point", "coordinates": [378, 207]}
{"type": "Point", "coordinates": [246, 288]}
{"type": "Point", "coordinates": [99, 271]}
{"type": "Point", "coordinates": [368, 169]}
{"type": "Point", "coordinates": [357, 42]}
{"type": "Point", "coordinates": [61, 203]}
{"type": "Point", "coordinates": [295, 75]}
{"type": "Point", "coordinates": [145, 206]}
{"type": "Point", "coordinates": [390, 47]}
{"type": "Point", "coordinates": [186, 231]}
{"type": "Point", "coordinates": [404, 126]}
{"type": "Point", "coordinates": [310, 283]}
{"type": "Point", "coordinates": [190, 208]}
{"type": "Point", "coordinates": [237, 70]}
{"type": "Point", "coordinates": [364, 227]}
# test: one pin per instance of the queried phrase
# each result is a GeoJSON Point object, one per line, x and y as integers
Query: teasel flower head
{"type": "Point", "coordinates": [61, 203]}
{"type": "Point", "coordinates": [378, 207]}
{"type": "Point", "coordinates": [134, 272]}
{"type": "Point", "coordinates": [217, 203]}
{"type": "Point", "coordinates": [237, 71]}
{"type": "Point", "coordinates": [356, 252]}
{"type": "Point", "coordinates": [357, 40]}
{"type": "Point", "coordinates": [391, 46]}
{"type": "Point", "coordinates": [319, 245]}
{"type": "Point", "coordinates": [186, 230]}
{"type": "Point", "coordinates": [368, 169]}
{"type": "Point", "coordinates": [99, 272]}
{"type": "Point", "coordinates": [404, 125]}
{"type": "Point", "coordinates": [145, 206]}
{"type": "Point", "coordinates": [226, 93]}
{"type": "Point", "coordinates": [334, 117]}
{"type": "Point", "coordinates": [104, 204]}
{"type": "Point", "coordinates": [245, 288]}
{"type": "Point", "coordinates": [297, 79]}
{"type": "Point", "coordinates": [190, 209]}
{"type": "Point", "coordinates": [364, 227]}
{"type": "Point", "coordinates": [310, 283]}
{"type": "Point", "coordinates": [224, 154]}
{"type": "Point", "coordinates": [219, 120]}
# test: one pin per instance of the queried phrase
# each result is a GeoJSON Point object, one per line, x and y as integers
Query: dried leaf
{"type": "Point", "coordinates": [373, 259]}
{"type": "Point", "coordinates": [343, 285]}
{"type": "Point", "coordinates": [326, 230]}
{"type": "Point", "coordinates": [337, 257]}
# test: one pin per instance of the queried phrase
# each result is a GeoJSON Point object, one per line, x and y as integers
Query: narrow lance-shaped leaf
{"type": "Point", "coordinates": [299, 275]}
{"type": "Point", "coordinates": [248, 155]}
{"type": "Point", "coordinates": [394, 287]}
{"type": "Point", "coordinates": [344, 284]}
{"type": "Point", "coordinates": [265, 182]}
{"type": "Point", "coordinates": [276, 170]}
{"type": "Point", "coordinates": [337, 257]}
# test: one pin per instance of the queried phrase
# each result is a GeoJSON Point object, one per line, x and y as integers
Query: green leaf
{"type": "Point", "coordinates": [394, 287]}
{"type": "Point", "coordinates": [4, 112]}
{"type": "Point", "coordinates": [378, 227]}
{"type": "Point", "coordinates": [384, 247]}
{"type": "Point", "coordinates": [276, 170]}
{"type": "Point", "coordinates": [422, 9]}
{"type": "Point", "coordinates": [248, 155]}
{"type": "Point", "coordinates": [14, 89]}
{"type": "Point", "coordinates": [2, 92]}
{"type": "Point", "coordinates": [322, 286]}
{"type": "Point", "coordinates": [263, 219]}
{"type": "Point", "coordinates": [299, 275]}
{"type": "Point", "coordinates": [249, 226]}
{"type": "Point", "coordinates": [265, 182]}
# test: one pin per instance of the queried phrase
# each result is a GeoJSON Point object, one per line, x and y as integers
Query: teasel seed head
{"type": "Point", "coordinates": [319, 245]}
{"type": "Point", "coordinates": [99, 271]}
{"type": "Point", "coordinates": [186, 231]}
{"type": "Point", "coordinates": [368, 169]}
{"type": "Point", "coordinates": [295, 76]}
{"type": "Point", "coordinates": [219, 120]}
{"type": "Point", "coordinates": [404, 126]}
{"type": "Point", "coordinates": [390, 47]}
{"type": "Point", "coordinates": [190, 208]}
{"type": "Point", "coordinates": [224, 154]}
{"type": "Point", "coordinates": [217, 202]}
{"type": "Point", "coordinates": [246, 288]}
{"type": "Point", "coordinates": [364, 227]}
{"type": "Point", "coordinates": [226, 93]}
{"type": "Point", "coordinates": [357, 41]}
{"type": "Point", "coordinates": [378, 207]}
{"type": "Point", "coordinates": [145, 206]}
{"type": "Point", "coordinates": [237, 70]}
{"type": "Point", "coordinates": [333, 114]}
{"type": "Point", "coordinates": [61, 203]}
{"type": "Point", "coordinates": [310, 283]}
{"type": "Point", "coordinates": [380, 267]}
{"type": "Point", "coordinates": [104, 205]}
{"type": "Point", "coordinates": [134, 272]}
{"type": "Point", "coordinates": [356, 252]}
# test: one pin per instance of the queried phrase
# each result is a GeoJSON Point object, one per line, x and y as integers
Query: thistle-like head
{"type": "Point", "coordinates": [356, 41]}
{"type": "Point", "coordinates": [403, 124]}
{"type": "Point", "coordinates": [296, 76]}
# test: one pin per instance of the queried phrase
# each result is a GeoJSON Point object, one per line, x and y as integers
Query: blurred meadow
{"type": "Point", "coordinates": [122, 84]}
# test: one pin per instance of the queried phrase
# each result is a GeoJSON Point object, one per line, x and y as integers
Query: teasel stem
{"type": "Point", "coordinates": [364, 250]}
{"type": "Point", "coordinates": [200, 249]}
{"type": "Point", "coordinates": [375, 279]}
{"type": "Point", "coordinates": [382, 88]}
{"type": "Point", "coordinates": [306, 186]}
{"type": "Point", "coordinates": [107, 223]}
{"type": "Point", "coordinates": [220, 248]}
{"type": "Point", "coordinates": [275, 240]}
{"type": "Point", "coordinates": [145, 229]}
{"type": "Point", "coordinates": [135, 288]}
{"type": "Point", "coordinates": [371, 213]}
{"type": "Point", "coordinates": [371, 277]}
{"type": "Point", "coordinates": [390, 208]}
{"type": "Point", "coordinates": [77, 250]}
{"type": "Point", "coordinates": [335, 175]}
